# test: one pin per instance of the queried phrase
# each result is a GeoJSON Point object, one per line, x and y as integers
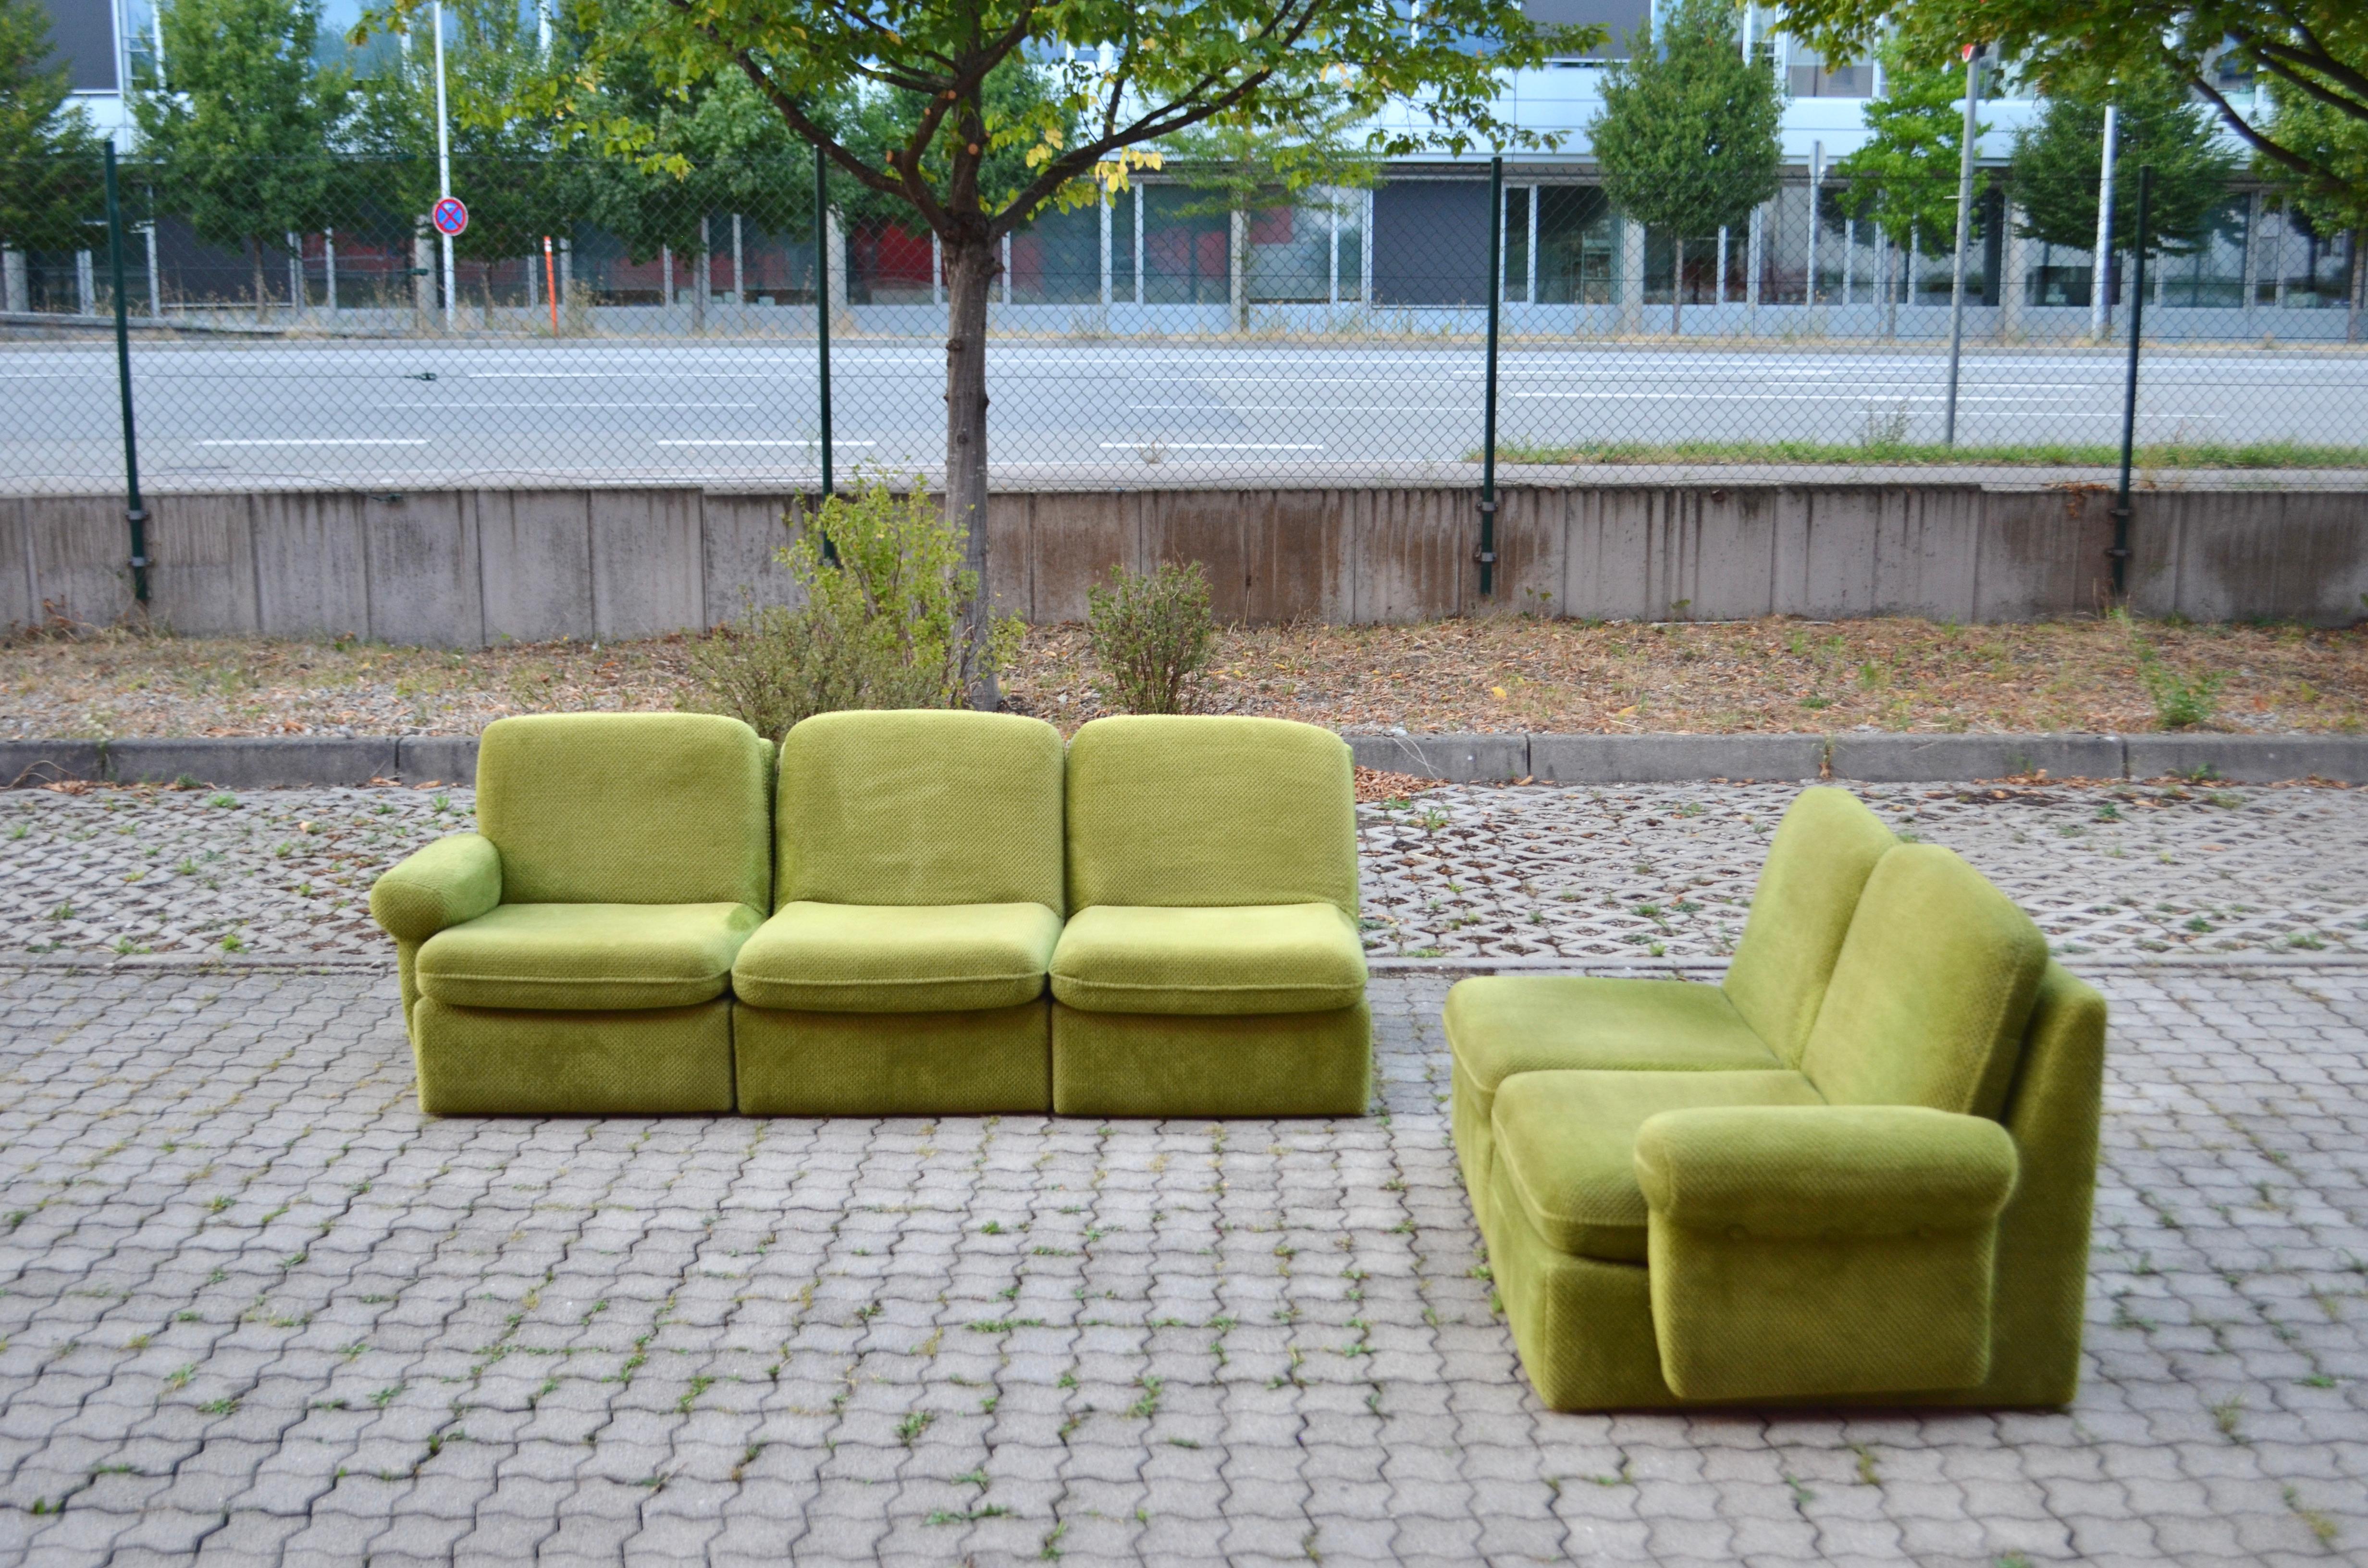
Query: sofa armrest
{"type": "Point", "coordinates": [1824, 1170]}
{"type": "Point", "coordinates": [1822, 1251]}
{"type": "Point", "coordinates": [457, 878]}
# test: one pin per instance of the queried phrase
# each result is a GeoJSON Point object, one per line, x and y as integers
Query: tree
{"type": "Point", "coordinates": [683, 153]}
{"type": "Point", "coordinates": [51, 187]}
{"type": "Point", "coordinates": [243, 130]}
{"type": "Point", "coordinates": [1113, 77]}
{"type": "Point", "coordinates": [1686, 136]}
{"type": "Point", "coordinates": [504, 162]}
{"type": "Point", "coordinates": [1241, 167]}
{"type": "Point", "coordinates": [1904, 177]}
{"type": "Point", "coordinates": [2315, 50]}
{"type": "Point", "coordinates": [2333, 140]}
{"type": "Point", "coordinates": [2058, 161]}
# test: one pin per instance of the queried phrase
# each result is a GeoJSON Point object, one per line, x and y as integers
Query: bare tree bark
{"type": "Point", "coordinates": [971, 262]}
{"type": "Point", "coordinates": [254, 248]}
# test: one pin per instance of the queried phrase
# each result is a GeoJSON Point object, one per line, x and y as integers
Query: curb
{"type": "Point", "coordinates": [268, 762]}
{"type": "Point", "coordinates": [1862, 759]}
{"type": "Point", "coordinates": [297, 762]}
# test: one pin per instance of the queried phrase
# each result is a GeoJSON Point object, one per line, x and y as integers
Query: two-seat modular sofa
{"type": "Point", "coordinates": [900, 913]}
{"type": "Point", "coordinates": [1858, 1171]}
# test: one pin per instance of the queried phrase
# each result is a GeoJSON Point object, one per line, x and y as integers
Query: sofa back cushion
{"type": "Point", "coordinates": [1816, 867]}
{"type": "Point", "coordinates": [1932, 991]}
{"type": "Point", "coordinates": [920, 807]}
{"type": "Point", "coordinates": [628, 808]}
{"type": "Point", "coordinates": [1190, 811]}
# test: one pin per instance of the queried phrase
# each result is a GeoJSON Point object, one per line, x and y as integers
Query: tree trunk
{"type": "Point", "coordinates": [2359, 285]}
{"type": "Point", "coordinates": [1677, 292]}
{"type": "Point", "coordinates": [254, 248]}
{"type": "Point", "coordinates": [972, 262]}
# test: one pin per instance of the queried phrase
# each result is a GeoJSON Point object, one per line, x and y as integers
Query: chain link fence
{"type": "Point", "coordinates": [596, 329]}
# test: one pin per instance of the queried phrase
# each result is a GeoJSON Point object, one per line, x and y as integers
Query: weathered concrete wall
{"type": "Point", "coordinates": [467, 568]}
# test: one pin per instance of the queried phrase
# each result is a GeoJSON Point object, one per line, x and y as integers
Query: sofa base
{"type": "Point", "coordinates": [994, 1061]}
{"type": "Point", "coordinates": [1163, 1064]}
{"type": "Point", "coordinates": [1584, 1331]}
{"type": "Point", "coordinates": [502, 1061]}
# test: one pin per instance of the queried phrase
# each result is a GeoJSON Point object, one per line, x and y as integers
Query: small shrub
{"type": "Point", "coordinates": [1151, 634]}
{"type": "Point", "coordinates": [884, 624]}
{"type": "Point", "coordinates": [2179, 701]}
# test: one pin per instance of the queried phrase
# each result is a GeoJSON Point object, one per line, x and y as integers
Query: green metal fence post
{"type": "Point", "coordinates": [2121, 550]}
{"type": "Point", "coordinates": [133, 512]}
{"type": "Point", "coordinates": [1486, 554]}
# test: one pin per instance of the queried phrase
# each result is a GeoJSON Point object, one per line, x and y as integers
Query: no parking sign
{"type": "Point", "coordinates": [449, 217]}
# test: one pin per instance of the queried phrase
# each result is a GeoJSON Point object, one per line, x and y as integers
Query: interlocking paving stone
{"type": "Point", "coordinates": [258, 1310]}
{"type": "Point", "coordinates": [1522, 874]}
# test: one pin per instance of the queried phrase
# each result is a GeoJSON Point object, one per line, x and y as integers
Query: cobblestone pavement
{"type": "Point", "coordinates": [1473, 871]}
{"type": "Point", "coordinates": [258, 1310]}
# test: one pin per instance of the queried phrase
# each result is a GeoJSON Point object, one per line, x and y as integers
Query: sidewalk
{"type": "Point", "coordinates": [258, 1310]}
{"type": "Point", "coordinates": [1514, 874]}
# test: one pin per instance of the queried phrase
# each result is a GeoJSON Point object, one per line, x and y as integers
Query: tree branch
{"type": "Point", "coordinates": [2259, 142]}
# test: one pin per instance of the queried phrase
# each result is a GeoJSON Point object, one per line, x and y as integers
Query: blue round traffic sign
{"type": "Point", "coordinates": [450, 216]}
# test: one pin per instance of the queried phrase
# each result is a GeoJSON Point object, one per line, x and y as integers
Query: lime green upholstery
{"type": "Point", "coordinates": [1284, 958]}
{"type": "Point", "coordinates": [1569, 1143]}
{"type": "Point", "coordinates": [573, 956]}
{"type": "Point", "coordinates": [1169, 1065]}
{"type": "Point", "coordinates": [978, 1062]}
{"type": "Point", "coordinates": [456, 878]}
{"type": "Point", "coordinates": [1210, 811]}
{"type": "Point", "coordinates": [1835, 1249]}
{"type": "Point", "coordinates": [1211, 965]}
{"type": "Point", "coordinates": [1759, 1016]}
{"type": "Point", "coordinates": [640, 1062]}
{"type": "Point", "coordinates": [920, 807]}
{"type": "Point", "coordinates": [1931, 989]}
{"type": "Point", "coordinates": [1502, 1024]}
{"type": "Point", "coordinates": [918, 894]}
{"type": "Point", "coordinates": [628, 808]}
{"type": "Point", "coordinates": [1822, 854]}
{"type": "Point", "coordinates": [1901, 1219]}
{"type": "Point", "coordinates": [586, 957]}
{"type": "Point", "coordinates": [870, 958]}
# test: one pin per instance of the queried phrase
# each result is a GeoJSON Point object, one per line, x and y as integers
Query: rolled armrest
{"type": "Point", "coordinates": [1821, 1251]}
{"type": "Point", "coordinates": [455, 879]}
{"type": "Point", "coordinates": [1825, 1171]}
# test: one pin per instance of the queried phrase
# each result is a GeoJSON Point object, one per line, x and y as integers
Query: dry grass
{"type": "Point", "coordinates": [1779, 674]}
{"type": "Point", "coordinates": [1506, 674]}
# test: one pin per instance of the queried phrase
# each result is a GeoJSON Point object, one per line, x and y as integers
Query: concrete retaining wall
{"type": "Point", "coordinates": [318, 761]}
{"type": "Point", "coordinates": [471, 567]}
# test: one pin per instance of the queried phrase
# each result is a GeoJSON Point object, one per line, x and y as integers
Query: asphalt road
{"type": "Point", "coordinates": [421, 412]}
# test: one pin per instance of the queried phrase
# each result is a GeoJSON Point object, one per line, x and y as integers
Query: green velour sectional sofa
{"type": "Point", "coordinates": [923, 912]}
{"type": "Point", "coordinates": [1860, 1170]}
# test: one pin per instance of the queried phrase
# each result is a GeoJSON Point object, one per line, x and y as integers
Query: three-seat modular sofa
{"type": "Point", "coordinates": [900, 913]}
{"type": "Point", "coordinates": [1858, 1171]}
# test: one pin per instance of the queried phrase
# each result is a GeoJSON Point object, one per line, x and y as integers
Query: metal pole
{"type": "Point", "coordinates": [822, 307]}
{"type": "Point", "coordinates": [1486, 556]}
{"type": "Point", "coordinates": [443, 161]}
{"type": "Point", "coordinates": [2101, 275]}
{"type": "Point", "coordinates": [2129, 390]}
{"type": "Point", "coordinates": [1817, 221]}
{"type": "Point", "coordinates": [133, 512]}
{"type": "Point", "coordinates": [1965, 238]}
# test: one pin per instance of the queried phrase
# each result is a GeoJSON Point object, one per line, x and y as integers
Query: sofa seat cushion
{"type": "Point", "coordinates": [1500, 1025]}
{"type": "Point", "coordinates": [1290, 957]}
{"type": "Point", "coordinates": [1565, 1142]}
{"type": "Point", "coordinates": [876, 957]}
{"type": "Point", "coordinates": [587, 956]}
